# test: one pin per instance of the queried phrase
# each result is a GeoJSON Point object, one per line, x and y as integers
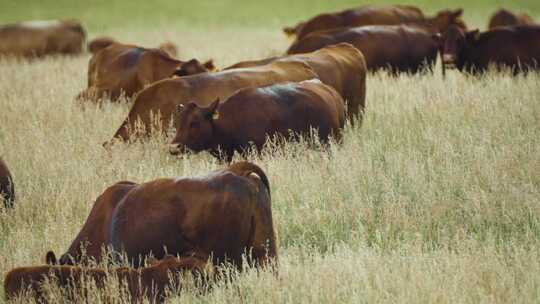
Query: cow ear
{"type": "Point", "coordinates": [209, 65]}
{"type": "Point", "coordinates": [213, 111]}
{"type": "Point", "coordinates": [457, 13]}
{"type": "Point", "coordinates": [50, 258]}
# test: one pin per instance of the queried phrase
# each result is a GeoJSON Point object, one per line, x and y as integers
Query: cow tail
{"type": "Point", "coordinates": [244, 168]}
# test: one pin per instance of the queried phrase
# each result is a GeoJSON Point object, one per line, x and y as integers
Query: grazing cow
{"type": "Point", "coordinates": [474, 51]}
{"type": "Point", "coordinates": [40, 38]}
{"type": "Point", "coordinates": [222, 215]}
{"type": "Point", "coordinates": [144, 283]}
{"type": "Point", "coordinates": [163, 96]}
{"type": "Point", "coordinates": [399, 48]}
{"type": "Point", "coordinates": [374, 15]}
{"type": "Point", "coordinates": [504, 17]}
{"type": "Point", "coordinates": [126, 69]}
{"type": "Point", "coordinates": [340, 66]}
{"type": "Point", "coordinates": [7, 188]}
{"type": "Point", "coordinates": [252, 115]}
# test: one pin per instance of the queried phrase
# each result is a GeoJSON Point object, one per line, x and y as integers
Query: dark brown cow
{"type": "Point", "coordinates": [504, 17]}
{"type": "Point", "coordinates": [7, 188]}
{"type": "Point", "coordinates": [514, 47]}
{"type": "Point", "coordinates": [252, 115]}
{"type": "Point", "coordinates": [144, 283]}
{"type": "Point", "coordinates": [375, 15]}
{"type": "Point", "coordinates": [222, 215]}
{"type": "Point", "coordinates": [400, 48]}
{"type": "Point", "coordinates": [340, 66]}
{"type": "Point", "coordinates": [40, 38]}
{"type": "Point", "coordinates": [126, 69]}
{"type": "Point", "coordinates": [165, 95]}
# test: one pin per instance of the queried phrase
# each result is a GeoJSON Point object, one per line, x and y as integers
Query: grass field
{"type": "Point", "coordinates": [435, 199]}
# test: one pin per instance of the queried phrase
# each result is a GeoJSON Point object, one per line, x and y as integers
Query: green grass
{"type": "Point", "coordinates": [435, 199]}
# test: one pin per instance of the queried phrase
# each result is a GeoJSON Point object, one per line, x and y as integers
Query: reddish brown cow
{"type": "Point", "coordinates": [163, 96]}
{"type": "Point", "coordinates": [340, 66]}
{"type": "Point", "coordinates": [222, 215]}
{"type": "Point", "coordinates": [144, 283]}
{"type": "Point", "coordinates": [40, 38]}
{"type": "Point", "coordinates": [400, 48]}
{"type": "Point", "coordinates": [7, 188]}
{"type": "Point", "coordinates": [280, 109]}
{"type": "Point", "coordinates": [374, 15]}
{"type": "Point", "coordinates": [126, 69]}
{"type": "Point", "coordinates": [504, 17]}
{"type": "Point", "coordinates": [474, 51]}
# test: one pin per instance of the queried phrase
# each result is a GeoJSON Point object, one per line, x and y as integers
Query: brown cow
{"type": "Point", "coordinates": [504, 17]}
{"type": "Point", "coordinates": [400, 48]}
{"type": "Point", "coordinates": [474, 51]}
{"type": "Point", "coordinates": [375, 15]}
{"type": "Point", "coordinates": [40, 38]}
{"type": "Point", "coordinates": [163, 96]}
{"type": "Point", "coordinates": [7, 188]}
{"type": "Point", "coordinates": [126, 69]}
{"type": "Point", "coordinates": [222, 215]}
{"type": "Point", "coordinates": [144, 283]}
{"type": "Point", "coordinates": [252, 115]}
{"type": "Point", "coordinates": [340, 66]}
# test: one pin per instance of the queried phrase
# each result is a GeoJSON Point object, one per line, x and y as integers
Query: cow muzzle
{"type": "Point", "coordinates": [176, 149]}
{"type": "Point", "coordinates": [449, 61]}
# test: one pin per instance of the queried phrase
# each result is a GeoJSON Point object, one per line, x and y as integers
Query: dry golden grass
{"type": "Point", "coordinates": [435, 199]}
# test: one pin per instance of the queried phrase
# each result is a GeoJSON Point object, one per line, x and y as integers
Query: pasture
{"type": "Point", "coordinates": [435, 199]}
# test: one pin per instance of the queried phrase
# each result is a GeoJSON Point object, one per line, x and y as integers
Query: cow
{"type": "Point", "coordinates": [148, 283]}
{"type": "Point", "coordinates": [39, 38]}
{"type": "Point", "coordinates": [99, 43]}
{"type": "Point", "coordinates": [252, 115]}
{"type": "Point", "coordinates": [221, 216]}
{"type": "Point", "coordinates": [474, 52]}
{"type": "Point", "coordinates": [374, 15]}
{"type": "Point", "coordinates": [163, 96]}
{"type": "Point", "coordinates": [340, 66]}
{"type": "Point", "coordinates": [124, 69]}
{"type": "Point", "coordinates": [399, 48]}
{"type": "Point", "coordinates": [504, 17]}
{"type": "Point", "coordinates": [7, 187]}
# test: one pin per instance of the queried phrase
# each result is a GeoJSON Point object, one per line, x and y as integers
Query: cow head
{"type": "Point", "coordinates": [455, 43]}
{"type": "Point", "coordinates": [193, 67]}
{"type": "Point", "coordinates": [446, 18]}
{"type": "Point", "coordinates": [194, 127]}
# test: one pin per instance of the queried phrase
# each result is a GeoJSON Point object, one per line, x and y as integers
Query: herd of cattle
{"type": "Point", "coordinates": [319, 83]}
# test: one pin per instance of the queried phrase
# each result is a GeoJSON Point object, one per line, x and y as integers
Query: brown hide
{"type": "Point", "coordinates": [222, 215]}
{"type": "Point", "coordinates": [400, 48]}
{"type": "Point", "coordinates": [7, 188]}
{"type": "Point", "coordinates": [40, 38]}
{"type": "Point", "coordinates": [165, 95]}
{"type": "Point", "coordinates": [475, 52]}
{"type": "Point", "coordinates": [252, 115]}
{"type": "Point", "coordinates": [374, 15]}
{"type": "Point", "coordinates": [340, 66]}
{"type": "Point", "coordinates": [99, 43]}
{"type": "Point", "coordinates": [504, 17]}
{"type": "Point", "coordinates": [122, 68]}
{"type": "Point", "coordinates": [149, 282]}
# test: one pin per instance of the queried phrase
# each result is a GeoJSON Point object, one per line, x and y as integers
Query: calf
{"type": "Point", "coordinates": [474, 51]}
{"type": "Point", "coordinates": [252, 115]}
{"type": "Point", "coordinates": [144, 283]}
